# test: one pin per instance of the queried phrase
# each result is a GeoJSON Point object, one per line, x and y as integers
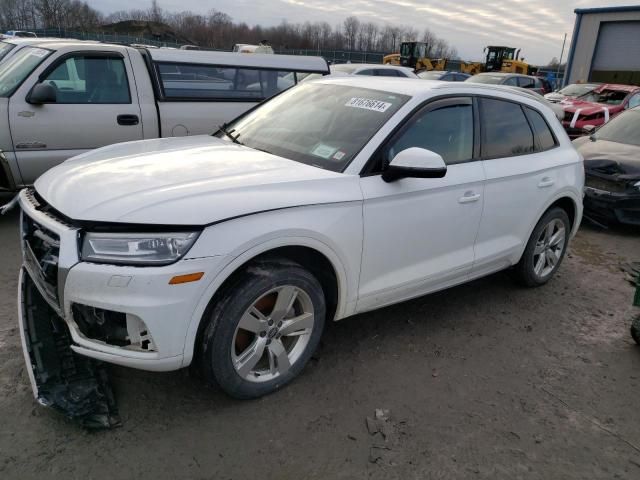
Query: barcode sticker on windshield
{"type": "Point", "coordinates": [38, 52]}
{"type": "Point", "coordinates": [368, 104]}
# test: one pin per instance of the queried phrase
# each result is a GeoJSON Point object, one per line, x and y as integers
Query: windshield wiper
{"type": "Point", "coordinates": [229, 133]}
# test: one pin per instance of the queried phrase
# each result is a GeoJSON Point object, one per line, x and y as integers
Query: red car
{"type": "Point", "coordinates": [597, 107]}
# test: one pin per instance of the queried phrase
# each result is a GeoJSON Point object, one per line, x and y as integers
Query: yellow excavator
{"type": "Point", "coordinates": [497, 59]}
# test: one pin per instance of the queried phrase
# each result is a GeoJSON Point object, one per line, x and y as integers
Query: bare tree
{"type": "Point", "coordinates": [351, 27]}
{"type": "Point", "coordinates": [218, 30]}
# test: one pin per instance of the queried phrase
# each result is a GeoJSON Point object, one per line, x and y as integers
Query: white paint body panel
{"type": "Point", "coordinates": [387, 242]}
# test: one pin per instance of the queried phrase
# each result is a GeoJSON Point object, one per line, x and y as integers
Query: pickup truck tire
{"type": "Point", "coordinates": [263, 330]}
{"type": "Point", "coordinates": [545, 249]}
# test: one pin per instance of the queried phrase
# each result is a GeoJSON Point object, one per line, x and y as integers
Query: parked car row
{"type": "Point", "coordinates": [245, 241]}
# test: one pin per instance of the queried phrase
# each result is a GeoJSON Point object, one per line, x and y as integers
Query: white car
{"type": "Point", "coordinates": [334, 198]}
{"type": "Point", "coordinates": [19, 34]}
{"type": "Point", "coordinates": [372, 69]}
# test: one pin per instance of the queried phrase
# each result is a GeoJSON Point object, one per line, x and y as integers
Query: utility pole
{"type": "Point", "coordinates": [560, 62]}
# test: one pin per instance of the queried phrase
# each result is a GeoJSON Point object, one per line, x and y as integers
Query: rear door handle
{"type": "Point", "coordinates": [469, 197]}
{"type": "Point", "coordinates": [546, 182]}
{"type": "Point", "coordinates": [128, 120]}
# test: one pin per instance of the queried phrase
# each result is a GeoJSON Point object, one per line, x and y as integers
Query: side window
{"type": "Point", "coordinates": [447, 78]}
{"type": "Point", "coordinates": [191, 81]}
{"type": "Point", "coordinates": [505, 129]}
{"type": "Point", "coordinates": [446, 130]}
{"type": "Point", "coordinates": [387, 72]}
{"type": "Point", "coordinates": [525, 82]}
{"type": "Point", "coordinates": [366, 72]}
{"type": "Point", "coordinates": [513, 81]}
{"type": "Point", "coordinates": [544, 136]}
{"type": "Point", "coordinates": [634, 101]}
{"type": "Point", "coordinates": [86, 79]}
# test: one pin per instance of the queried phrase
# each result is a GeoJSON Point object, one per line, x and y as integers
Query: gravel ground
{"type": "Point", "coordinates": [487, 380]}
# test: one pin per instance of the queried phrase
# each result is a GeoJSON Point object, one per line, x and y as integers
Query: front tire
{"type": "Point", "coordinates": [263, 330]}
{"type": "Point", "coordinates": [545, 249]}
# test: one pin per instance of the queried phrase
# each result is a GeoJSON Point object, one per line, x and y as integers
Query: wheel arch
{"type": "Point", "coordinates": [312, 254]}
{"type": "Point", "coordinates": [569, 202]}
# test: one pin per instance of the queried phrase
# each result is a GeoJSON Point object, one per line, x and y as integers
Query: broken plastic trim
{"type": "Point", "coordinates": [75, 385]}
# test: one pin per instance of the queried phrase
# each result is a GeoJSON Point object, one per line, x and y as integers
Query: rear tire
{"type": "Point", "coordinates": [263, 330]}
{"type": "Point", "coordinates": [545, 249]}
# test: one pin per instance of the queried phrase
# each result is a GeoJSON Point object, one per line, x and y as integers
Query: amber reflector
{"type": "Point", "coordinates": [189, 277]}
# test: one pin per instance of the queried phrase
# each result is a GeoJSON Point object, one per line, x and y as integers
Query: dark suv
{"type": "Point", "coordinates": [512, 79]}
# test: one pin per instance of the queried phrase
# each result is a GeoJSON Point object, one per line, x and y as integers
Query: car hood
{"type": "Point", "coordinates": [186, 181]}
{"type": "Point", "coordinates": [610, 158]}
{"type": "Point", "coordinates": [589, 108]}
{"type": "Point", "coordinates": [555, 97]}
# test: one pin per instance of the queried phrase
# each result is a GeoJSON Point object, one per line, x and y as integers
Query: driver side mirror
{"type": "Point", "coordinates": [43, 93]}
{"type": "Point", "coordinates": [415, 162]}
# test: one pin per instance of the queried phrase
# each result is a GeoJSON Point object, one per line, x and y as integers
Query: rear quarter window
{"type": "Point", "coordinates": [505, 129]}
{"type": "Point", "coordinates": [545, 140]}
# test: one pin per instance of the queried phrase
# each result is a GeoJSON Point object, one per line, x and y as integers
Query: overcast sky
{"type": "Point", "coordinates": [536, 26]}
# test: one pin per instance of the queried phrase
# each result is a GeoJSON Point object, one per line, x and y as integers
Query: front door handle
{"type": "Point", "coordinates": [128, 120]}
{"type": "Point", "coordinates": [469, 197]}
{"type": "Point", "coordinates": [546, 182]}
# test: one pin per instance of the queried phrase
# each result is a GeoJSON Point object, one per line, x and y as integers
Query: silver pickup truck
{"type": "Point", "coordinates": [58, 100]}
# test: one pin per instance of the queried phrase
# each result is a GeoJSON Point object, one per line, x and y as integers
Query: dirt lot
{"type": "Point", "coordinates": [486, 380]}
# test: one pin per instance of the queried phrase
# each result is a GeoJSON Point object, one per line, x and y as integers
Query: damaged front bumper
{"type": "Point", "coordinates": [60, 378]}
{"type": "Point", "coordinates": [622, 207]}
{"type": "Point", "coordinates": [75, 385]}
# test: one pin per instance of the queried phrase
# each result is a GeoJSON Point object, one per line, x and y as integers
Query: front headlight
{"type": "Point", "coordinates": [637, 185]}
{"type": "Point", "coordinates": [137, 248]}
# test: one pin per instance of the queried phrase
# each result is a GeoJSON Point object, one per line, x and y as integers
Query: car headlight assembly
{"type": "Point", "coordinates": [136, 248]}
{"type": "Point", "coordinates": [637, 185]}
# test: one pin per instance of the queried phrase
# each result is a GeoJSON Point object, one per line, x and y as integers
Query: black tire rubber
{"type": "Point", "coordinates": [524, 270]}
{"type": "Point", "coordinates": [215, 363]}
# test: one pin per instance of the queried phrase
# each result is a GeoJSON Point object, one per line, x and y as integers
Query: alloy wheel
{"type": "Point", "coordinates": [272, 334]}
{"type": "Point", "coordinates": [549, 248]}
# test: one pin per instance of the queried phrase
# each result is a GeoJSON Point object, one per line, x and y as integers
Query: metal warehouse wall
{"type": "Point", "coordinates": [585, 37]}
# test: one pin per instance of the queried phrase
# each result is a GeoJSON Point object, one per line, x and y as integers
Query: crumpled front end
{"type": "Point", "coordinates": [62, 379]}
{"type": "Point", "coordinates": [75, 385]}
{"type": "Point", "coordinates": [611, 194]}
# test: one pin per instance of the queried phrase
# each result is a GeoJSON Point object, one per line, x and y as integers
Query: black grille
{"type": "Point", "coordinates": [41, 251]}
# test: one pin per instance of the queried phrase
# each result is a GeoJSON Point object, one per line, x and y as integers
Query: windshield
{"type": "Point", "coordinates": [624, 128]}
{"type": "Point", "coordinates": [5, 48]}
{"type": "Point", "coordinates": [19, 67]}
{"type": "Point", "coordinates": [406, 49]}
{"type": "Point", "coordinates": [608, 97]}
{"type": "Point", "coordinates": [318, 124]}
{"type": "Point", "coordinates": [576, 89]}
{"type": "Point", "coordinates": [430, 75]}
{"type": "Point", "coordinates": [494, 79]}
